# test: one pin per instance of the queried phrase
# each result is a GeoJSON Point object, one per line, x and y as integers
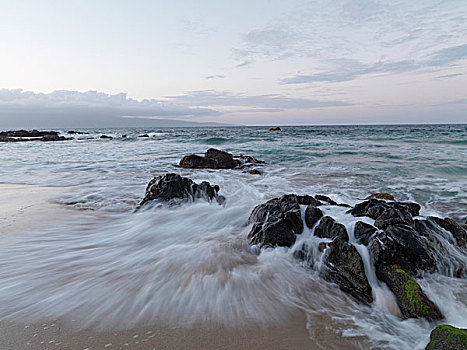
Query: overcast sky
{"type": "Point", "coordinates": [251, 62]}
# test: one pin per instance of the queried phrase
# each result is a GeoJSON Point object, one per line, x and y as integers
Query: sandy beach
{"type": "Point", "coordinates": [25, 207]}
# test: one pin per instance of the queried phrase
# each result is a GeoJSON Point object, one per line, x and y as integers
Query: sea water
{"type": "Point", "coordinates": [192, 264]}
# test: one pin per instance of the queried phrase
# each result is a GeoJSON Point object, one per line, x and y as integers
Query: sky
{"type": "Point", "coordinates": [260, 62]}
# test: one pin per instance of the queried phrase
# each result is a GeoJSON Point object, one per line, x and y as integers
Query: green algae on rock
{"type": "Point", "coordinates": [446, 337]}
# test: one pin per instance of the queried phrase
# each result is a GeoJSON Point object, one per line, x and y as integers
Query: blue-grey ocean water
{"type": "Point", "coordinates": [192, 264]}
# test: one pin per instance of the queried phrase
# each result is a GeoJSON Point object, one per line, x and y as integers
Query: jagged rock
{"type": "Point", "coordinates": [329, 228]}
{"type": "Point", "coordinates": [105, 137]}
{"type": "Point", "coordinates": [172, 187]}
{"type": "Point", "coordinates": [383, 195]}
{"type": "Point", "coordinates": [363, 232]}
{"type": "Point", "coordinates": [275, 129]}
{"type": "Point", "coordinates": [325, 199]}
{"type": "Point", "coordinates": [144, 135]}
{"type": "Point", "coordinates": [248, 160]}
{"type": "Point", "coordinates": [213, 159]}
{"type": "Point", "coordinates": [458, 232]}
{"type": "Point", "coordinates": [312, 215]}
{"type": "Point", "coordinates": [413, 303]}
{"type": "Point", "coordinates": [276, 222]}
{"type": "Point", "coordinates": [402, 245]}
{"type": "Point", "coordinates": [255, 172]}
{"type": "Point", "coordinates": [345, 267]}
{"type": "Point", "coordinates": [33, 135]}
{"type": "Point", "coordinates": [394, 216]}
{"type": "Point", "coordinates": [446, 337]}
{"type": "Point", "coordinates": [308, 200]}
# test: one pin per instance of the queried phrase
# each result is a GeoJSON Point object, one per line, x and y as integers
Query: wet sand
{"type": "Point", "coordinates": [24, 207]}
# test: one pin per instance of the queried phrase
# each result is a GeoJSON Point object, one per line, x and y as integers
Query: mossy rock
{"type": "Point", "coordinates": [382, 195]}
{"type": "Point", "coordinates": [446, 337]}
{"type": "Point", "coordinates": [412, 301]}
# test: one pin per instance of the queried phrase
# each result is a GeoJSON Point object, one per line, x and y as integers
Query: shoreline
{"type": "Point", "coordinates": [24, 207]}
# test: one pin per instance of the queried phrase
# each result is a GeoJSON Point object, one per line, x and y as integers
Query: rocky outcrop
{"type": "Point", "coordinates": [276, 222]}
{"type": "Point", "coordinates": [412, 301]}
{"type": "Point", "coordinates": [32, 135]}
{"type": "Point", "coordinates": [275, 129]}
{"type": "Point", "coordinates": [172, 188]}
{"type": "Point", "coordinates": [382, 195]}
{"type": "Point", "coordinates": [329, 228]}
{"type": "Point", "coordinates": [217, 159]}
{"type": "Point", "coordinates": [345, 267]}
{"type": "Point", "coordinates": [446, 337]}
{"type": "Point", "coordinates": [105, 137]}
{"type": "Point", "coordinates": [363, 232]}
{"type": "Point", "coordinates": [143, 135]}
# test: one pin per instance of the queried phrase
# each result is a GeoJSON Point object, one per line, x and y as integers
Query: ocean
{"type": "Point", "coordinates": [192, 264]}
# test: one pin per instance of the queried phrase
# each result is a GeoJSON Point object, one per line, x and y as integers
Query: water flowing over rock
{"type": "Point", "coordinates": [345, 267]}
{"type": "Point", "coordinates": [172, 188]}
{"type": "Point", "coordinates": [412, 301]}
{"type": "Point", "coordinates": [363, 232]}
{"type": "Point", "coordinates": [217, 159]}
{"type": "Point", "coordinates": [329, 228]}
{"type": "Point", "coordinates": [446, 337]}
{"type": "Point", "coordinates": [457, 231]}
{"type": "Point", "coordinates": [276, 222]}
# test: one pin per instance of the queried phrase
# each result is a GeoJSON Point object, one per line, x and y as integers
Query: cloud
{"type": "Point", "coordinates": [217, 76]}
{"type": "Point", "coordinates": [91, 107]}
{"type": "Point", "coordinates": [93, 101]}
{"type": "Point", "coordinates": [274, 101]}
{"type": "Point", "coordinates": [379, 36]}
{"type": "Point", "coordinates": [346, 70]}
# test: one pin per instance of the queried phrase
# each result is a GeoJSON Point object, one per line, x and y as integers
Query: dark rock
{"type": "Point", "coordinates": [54, 138]}
{"type": "Point", "coordinates": [105, 137]}
{"type": "Point", "coordinates": [446, 337]}
{"type": "Point", "coordinates": [345, 205]}
{"type": "Point", "coordinates": [308, 200]}
{"type": "Point", "coordinates": [325, 199]}
{"type": "Point", "coordinates": [394, 216]}
{"type": "Point", "coordinates": [248, 160]}
{"type": "Point", "coordinates": [255, 172]}
{"type": "Point", "coordinates": [345, 267]}
{"type": "Point", "coordinates": [458, 232]}
{"type": "Point", "coordinates": [402, 245]}
{"type": "Point", "coordinates": [383, 195]}
{"type": "Point", "coordinates": [312, 215]}
{"type": "Point", "coordinates": [412, 301]}
{"type": "Point", "coordinates": [33, 135]}
{"type": "Point", "coordinates": [363, 232]}
{"type": "Point", "coordinates": [144, 135]}
{"type": "Point", "coordinates": [329, 228]}
{"type": "Point", "coordinates": [276, 222]}
{"type": "Point", "coordinates": [124, 136]}
{"type": "Point", "coordinates": [172, 187]}
{"type": "Point", "coordinates": [372, 208]}
{"type": "Point", "coordinates": [213, 159]}
{"type": "Point", "coordinates": [275, 129]}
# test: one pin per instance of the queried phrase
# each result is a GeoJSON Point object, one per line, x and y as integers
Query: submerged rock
{"type": "Point", "coordinates": [255, 172]}
{"type": "Point", "coordinates": [446, 337]}
{"type": "Point", "coordinates": [275, 129]}
{"type": "Point", "coordinates": [276, 222]}
{"type": "Point", "coordinates": [329, 228]}
{"type": "Point", "coordinates": [325, 199]}
{"type": "Point", "coordinates": [144, 135]}
{"type": "Point", "coordinates": [345, 267]}
{"type": "Point", "coordinates": [105, 137]}
{"type": "Point", "coordinates": [172, 188]}
{"type": "Point", "coordinates": [412, 301]}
